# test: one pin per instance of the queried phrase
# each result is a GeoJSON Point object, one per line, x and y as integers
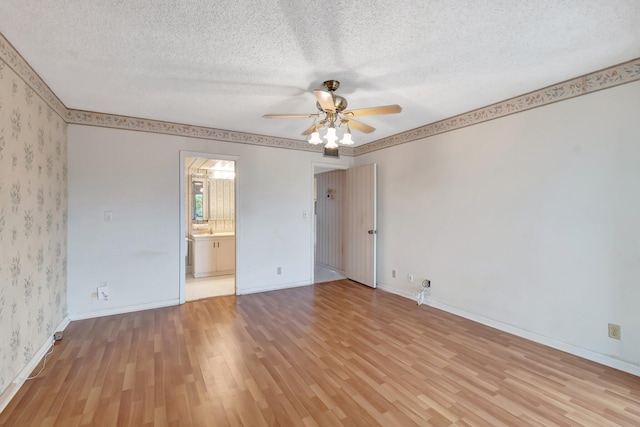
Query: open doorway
{"type": "Point", "coordinates": [344, 232]}
{"type": "Point", "coordinates": [328, 222]}
{"type": "Point", "coordinates": [209, 223]}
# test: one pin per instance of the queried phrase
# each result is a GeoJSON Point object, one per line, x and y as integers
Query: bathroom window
{"type": "Point", "coordinates": [197, 200]}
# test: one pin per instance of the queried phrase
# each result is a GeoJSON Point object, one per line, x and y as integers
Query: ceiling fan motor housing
{"type": "Point", "coordinates": [331, 85]}
{"type": "Point", "coordinates": [339, 102]}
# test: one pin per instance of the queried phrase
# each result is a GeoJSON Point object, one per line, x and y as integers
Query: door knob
{"type": "Point", "coordinates": [372, 231]}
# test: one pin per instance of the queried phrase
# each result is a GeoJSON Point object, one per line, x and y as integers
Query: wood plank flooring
{"type": "Point", "coordinates": [334, 354]}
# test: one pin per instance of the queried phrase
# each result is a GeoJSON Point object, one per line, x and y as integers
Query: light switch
{"type": "Point", "coordinates": [305, 214]}
{"type": "Point", "coordinates": [108, 216]}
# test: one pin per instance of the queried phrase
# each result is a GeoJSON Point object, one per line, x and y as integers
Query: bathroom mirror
{"type": "Point", "coordinates": [198, 199]}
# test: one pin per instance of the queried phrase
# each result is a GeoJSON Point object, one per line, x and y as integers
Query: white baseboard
{"type": "Point", "coordinates": [272, 288]}
{"type": "Point", "coordinates": [531, 336]}
{"type": "Point", "coordinates": [18, 382]}
{"type": "Point", "coordinates": [393, 290]}
{"type": "Point", "coordinates": [125, 309]}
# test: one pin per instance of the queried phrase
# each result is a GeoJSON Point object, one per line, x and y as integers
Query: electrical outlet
{"type": "Point", "coordinates": [393, 274]}
{"type": "Point", "coordinates": [103, 291]}
{"type": "Point", "coordinates": [614, 331]}
{"type": "Point", "coordinates": [410, 278]}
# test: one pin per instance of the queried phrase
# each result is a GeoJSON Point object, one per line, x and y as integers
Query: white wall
{"type": "Point", "coordinates": [530, 223]}
{"type": "Point", "coordinates": [136, 176]}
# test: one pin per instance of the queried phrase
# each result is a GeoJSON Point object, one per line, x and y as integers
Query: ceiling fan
{"type": "Point", "coordinates": [332, 112]}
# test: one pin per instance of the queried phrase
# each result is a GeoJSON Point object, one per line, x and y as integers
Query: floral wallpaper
{"type": "Point", "coordinates": [222, 204]}
{"type": "Point", "coordinates": [33, 223]}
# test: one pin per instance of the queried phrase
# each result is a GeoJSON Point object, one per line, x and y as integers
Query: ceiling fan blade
{"type": "Point", "coordinates": [384, 109]}
{"type": "Point", "coordinates": [325, 99]}
{"type": "Point", "coordinates": [290, 116]}
{"type": "Point", "coordinates": [313, 127]}
{"type": "Point", "coordinates": [359, 126]}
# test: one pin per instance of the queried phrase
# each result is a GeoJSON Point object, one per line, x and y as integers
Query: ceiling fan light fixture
{"type": "Point", "coordinates": [331, 137]}
{"type": "Point", "coordinates": [331, 143]}
{"type": "Point", "coordinates": [333, 108]}
{"type": "Point", "coordinates": [331, 133]}
{"type": "Point", "coordinates": [315, 138]}
{"type": "Point", "coordinates": [346, 138]}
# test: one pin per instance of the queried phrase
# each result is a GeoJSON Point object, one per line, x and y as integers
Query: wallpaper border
{"type": "Point", "coordinates": [609, 77]}
{"type": "Point", "coordinates": [89, 118]}
{"type": "Point", "coordinates": [606, 78]}
{"type": "Point", "coordinates": [10, 56]}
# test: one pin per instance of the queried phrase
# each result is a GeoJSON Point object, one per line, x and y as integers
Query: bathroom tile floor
{"type": "Point", "coordinates": [207, 287]}
{"type": "Point", "coordinates": [324, 274]}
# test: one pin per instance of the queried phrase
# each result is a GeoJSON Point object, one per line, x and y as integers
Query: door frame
{"type": "Point", "coordinates": [325, 167]}
{"type": "Point", "coordinates": [183, 215]}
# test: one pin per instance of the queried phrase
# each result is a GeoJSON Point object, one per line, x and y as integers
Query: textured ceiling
{"type": "Point", "coordinates": [224, 64]}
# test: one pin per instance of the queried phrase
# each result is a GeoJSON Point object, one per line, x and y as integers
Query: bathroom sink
{"type": "Point", "coordinates": [214, 234]}
{"type": "Point", "coordinates": [223, 233]}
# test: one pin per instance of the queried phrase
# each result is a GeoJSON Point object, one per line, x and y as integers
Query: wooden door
{"type": "Point", "coordinates": [360, 222]}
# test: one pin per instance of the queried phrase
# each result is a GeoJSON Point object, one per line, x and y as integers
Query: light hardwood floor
{"type": "Point", "coordinates": [335, 354]}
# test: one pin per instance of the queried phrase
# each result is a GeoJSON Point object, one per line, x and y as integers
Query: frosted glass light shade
{"type": "Point", "coordinates": [315, 138]}
{"type": "Point", "coordinates": [346, 139]}
{"type": "Point", "coordinates": [331, 143]}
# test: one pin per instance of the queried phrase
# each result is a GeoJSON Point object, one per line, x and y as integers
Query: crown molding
{"type": "Point", "coordinates": [616, 75]}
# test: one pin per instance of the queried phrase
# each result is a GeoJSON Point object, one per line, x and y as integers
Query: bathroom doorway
{"type": "Point", "coordinates": [209, 222]}
{"type": "Point", "coordinates": [328, 225]}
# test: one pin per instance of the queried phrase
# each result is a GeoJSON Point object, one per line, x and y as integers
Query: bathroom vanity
{"type": "Point", "coordinates": [214, 254]}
